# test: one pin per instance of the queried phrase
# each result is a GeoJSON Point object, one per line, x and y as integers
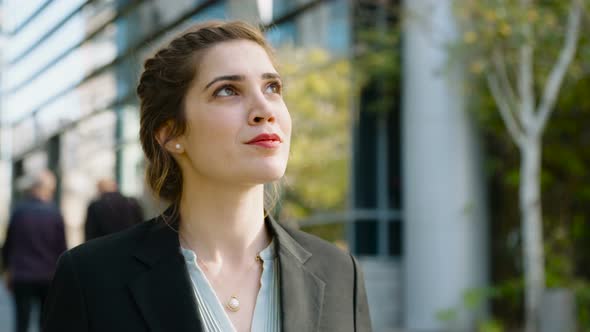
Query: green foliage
{"type": "Point", "coordinates": [447, 315]}
{"type": "Point", "coordinates": [559, 265]}
{"type": "Point", "coordinates": [582, 291]}
{"type": "Point", "coordinates": [497, 26]}
{"type": "Point", "coordinates": [494, 30]}
{"type": "Point", "coordinates": [474, 300]}
{"type": "Point", "coordinates": [491, 326]}
{"type": "Point", "coordinates": [317, 92]}
{"type": "Point", "coordinates": [376, 58]}
{"type": "Point", "coordinates": [379, 61]}
{"type": "Point", "coordinates": [333, 233]}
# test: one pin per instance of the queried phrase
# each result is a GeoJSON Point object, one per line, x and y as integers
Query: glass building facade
{"type": "Point", "coordinates": [68, 103]}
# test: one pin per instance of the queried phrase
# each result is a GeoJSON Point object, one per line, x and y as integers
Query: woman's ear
{"type": "Point", "coordinates": [171, 144]}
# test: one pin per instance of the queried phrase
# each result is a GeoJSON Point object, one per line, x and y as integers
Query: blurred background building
{"type": "Point", "coordinates": [393, 174]}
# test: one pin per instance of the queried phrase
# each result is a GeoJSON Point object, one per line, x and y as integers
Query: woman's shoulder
{"type": "Point", "coordinates": [111, 248]}
{"type": "Point", "coordinates": [322, 253]}
{"type": "Point", "coordinates": [313, 242]}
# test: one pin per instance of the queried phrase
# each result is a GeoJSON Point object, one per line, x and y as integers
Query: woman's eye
{"type": "Point", "coordinates": [273, 88]}
{"type": "Point", "coordinates": [225, 91]}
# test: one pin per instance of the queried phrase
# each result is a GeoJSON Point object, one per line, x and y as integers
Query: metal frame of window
{"type": "Point", "coordinates": [352, 215]}
{"type": "Point", "coordinates": [132, 51]}
{"type": "Point", "coordinates": [29, 19]}
{"type": "Point", "coordinates": [120, 13]}
{"type": "Point", "coordinates": [48, 33]}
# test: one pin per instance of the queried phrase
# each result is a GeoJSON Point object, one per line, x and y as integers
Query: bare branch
{"type": "Point", "coordinates": [510, 121]}
{"type": "Point", "coordinates": [504, 79]}
{"type": "Point", "coordinates": [559, 70]}
{"type": "Point", "coordinates": [525, 76]}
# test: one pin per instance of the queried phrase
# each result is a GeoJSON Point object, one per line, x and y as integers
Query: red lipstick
{"type": "Point", "coordinates": [268, 141]}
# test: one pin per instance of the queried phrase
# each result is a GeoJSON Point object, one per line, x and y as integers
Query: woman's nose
{"type": "Point", "coordinates": [260, 111]}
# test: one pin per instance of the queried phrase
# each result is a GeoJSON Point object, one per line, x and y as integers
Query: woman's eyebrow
{"type": "Point", "coordinates": [265, 76]}
{"type": "Point", "coordinates": [225, 78]}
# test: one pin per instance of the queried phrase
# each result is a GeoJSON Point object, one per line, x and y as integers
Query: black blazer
{"type": "Point", "coordinates": [136, 280]}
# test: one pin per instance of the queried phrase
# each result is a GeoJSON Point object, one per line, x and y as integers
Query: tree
{"type": "Point", "coordinates": [521, 50]}
{"type": "Point", "coordinates": [565, 184]}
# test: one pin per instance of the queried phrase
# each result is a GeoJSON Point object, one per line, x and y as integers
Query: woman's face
{"type": "Point", "coordinates": [238, 127]}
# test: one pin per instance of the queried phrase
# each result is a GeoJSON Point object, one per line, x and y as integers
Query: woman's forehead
{"type": "Point", "coordinates": [240, 57]}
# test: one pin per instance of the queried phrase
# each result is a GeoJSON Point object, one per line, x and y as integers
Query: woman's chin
{"type": "Point", "coordinates": [267, 174]}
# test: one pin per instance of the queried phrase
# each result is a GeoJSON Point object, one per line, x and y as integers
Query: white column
{"type": "Point", "coordinates": [248, 10]}
{"type": "Point", "coordinates": [445, 235]}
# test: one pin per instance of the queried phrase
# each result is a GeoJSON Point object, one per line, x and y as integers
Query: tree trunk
{"type": "Point", "coordinates": [532, 230]}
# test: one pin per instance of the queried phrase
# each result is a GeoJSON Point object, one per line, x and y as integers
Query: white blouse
{"type": "Point", "coordinates": [267, 313]}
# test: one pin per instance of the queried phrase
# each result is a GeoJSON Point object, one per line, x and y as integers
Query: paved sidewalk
{"type": "Point", "coordinates": [7, 314]}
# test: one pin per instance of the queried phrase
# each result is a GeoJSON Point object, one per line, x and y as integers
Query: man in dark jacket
{"type": "Point", "coordinates": [35, 239]}
{"type": "Point", "coordinates": [111, 212]}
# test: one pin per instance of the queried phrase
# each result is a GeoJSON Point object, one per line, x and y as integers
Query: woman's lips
{"type": "Point", "coordinates": [268, 141]}
{"type": "Point", "coordinates": [269, 144]}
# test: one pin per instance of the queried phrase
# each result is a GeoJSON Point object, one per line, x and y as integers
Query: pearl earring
{"type": "Point", "coordinates": [177, 146]}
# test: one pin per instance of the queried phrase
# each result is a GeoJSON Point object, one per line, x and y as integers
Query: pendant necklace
{"type": "Point", "coordinates": [233, 303]}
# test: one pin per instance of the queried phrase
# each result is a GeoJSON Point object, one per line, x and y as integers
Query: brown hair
{"type": "Point", "coordinates": [162, 88]}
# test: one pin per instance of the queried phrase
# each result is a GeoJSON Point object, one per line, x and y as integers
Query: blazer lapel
{"type": "Point", "coordinates": [164, 294]}
{"type": "Point", "coordinates": [302, 292]}
{"type": "Point", "coordinates": [164, 291]}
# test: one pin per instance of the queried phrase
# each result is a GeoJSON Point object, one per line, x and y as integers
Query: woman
{"type": "Point", "coordinates": [214, 129]}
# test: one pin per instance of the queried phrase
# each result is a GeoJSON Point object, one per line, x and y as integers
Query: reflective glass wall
{"type": "Point", "coordinates": [70, 73]}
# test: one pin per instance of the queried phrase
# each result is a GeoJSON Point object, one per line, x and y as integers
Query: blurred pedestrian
{"type": "Point", "coordinates": [111, 212]}
{"type": "Point", "coordinates": [34, 240]}
{"type": "Point", "coordinates": [215, 129]}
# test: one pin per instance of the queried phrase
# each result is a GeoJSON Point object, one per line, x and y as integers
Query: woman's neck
{"type": "Point", "coordinates": [223, 223]}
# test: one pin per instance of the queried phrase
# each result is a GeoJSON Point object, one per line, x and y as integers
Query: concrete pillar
{"type": "Point", "coordinates": [384, 291]}
{"type": "Point", "coordinates": [445, 235]}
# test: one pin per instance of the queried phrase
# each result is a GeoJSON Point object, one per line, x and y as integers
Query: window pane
{"type": "Point", "coordinates": [366, 237]}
